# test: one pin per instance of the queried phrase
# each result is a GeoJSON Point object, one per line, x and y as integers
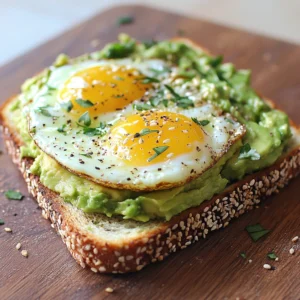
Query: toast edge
{"type": "Point", "coordinates": [180, 232]}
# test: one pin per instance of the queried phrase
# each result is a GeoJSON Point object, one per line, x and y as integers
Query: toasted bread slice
{"type": "Point", "coordinates": [114, 245]}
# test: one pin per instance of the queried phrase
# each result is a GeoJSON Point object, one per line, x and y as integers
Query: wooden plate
{"type": "Point", "coordinates": [210, 269]}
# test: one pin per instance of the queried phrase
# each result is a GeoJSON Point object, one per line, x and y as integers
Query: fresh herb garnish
{"type": "Point", "coordinates": [272, 255]}
{"type": "Point", "coordinates": [88, 155]}
{"type": "Point", "coordinates": [84, 103]}
{"type": "Point", "coordinates": [85, 119]}
{"type": "Point", "coordinates": [159, 72]}
{"type": "Point", "coordinates": [180, 101]}
{"type": "Point", "coordinates": [2, 222]}
{"type": "Point", "coordinates": [51, 88]}
{"type": "Point", "coordinates": [158, 151]}
{"type": "Point", "coordinates": [243, 255]}
{"type": "Point", "coordinates": [256, 231]}
{"type": "Point", "coordinates": [94, 131]}
{"type": "Point", "coordinates": [229, 121]}
{"type": "Point", "coordinates": [62, 129]}
{"type": "Point", "coordinates": [165, 102]}
{"type": "Point", "coordinates": [145, 131]}
{"type": "Point", "coordinates": [149, 80]}
{"type": "Point", "coordinates": [125, 20]}
{"type": "Point", "coordinates": [247, 152]}
{"type": "Point", "coordinates": [67, 106]}
{"type": "Point", "coordinates": [200, 122]}
{"type": "Point", "coordinates": [44, 110]}
{"type": "Point", "coordinates": [141, 107]}
{"type": "Point", "coordinates": [149, 43]}
{"type": "Point", "coordinates": [13, 195]}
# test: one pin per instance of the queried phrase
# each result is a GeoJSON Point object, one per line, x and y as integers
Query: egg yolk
{"type": "Point", "coordinates": [153, 137]}
{"type": "Point", "coordinates": [107, 88]}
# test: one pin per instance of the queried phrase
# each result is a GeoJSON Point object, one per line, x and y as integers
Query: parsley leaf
{"type": "Point", "coordinates": [13, 195]}
{"type": "Point", "coordinates": [84, 103]}
{"type": "Point", "coordinates": [183, 102]}
{"type": "Point", "coordinates": [272, 255]}
{"type": "Point", "coordinates": [44, 110]}
{"type": "Point", "coordinates": [247, 152]}
{"type": "Point", "coordinates": [256, 231]}
{"type": "Point", "coordinates": [229, 121]}
{"type": "Point", "coordinates": [94, 131]}
{"type": "Point", "coordinates": [145, 131]}
{"type": "Point", "coordinates": [149, 80]}
{"type": "Point", "coordinates": [85, 119]}
{"type": "Point", "coordinates": [149, 43]}
{"type": "Point", "coordinates": [141, 107]}
{"type": "Point", "coordinates": [67, 106]}
{"type": "Point", "coordinates": [158, 151]}
{"type": "Point", "coordinates": [160, 71]}
{"type": "Point", "coordinates": [243, 255]}
{"type": "Point", "coordinates": [201, 122]}
{"type": "Point", "coordinates": [88, 155]}
{"type": "Point", "coordinates": [62, 129]}
{"type": "Point", "coordinates": [125, 20]}
{"type": "Point", "coordinates": [2, 222]}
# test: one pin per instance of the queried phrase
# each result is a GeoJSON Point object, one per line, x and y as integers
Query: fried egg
{"type": "Point", "coordinates": [113, 123]}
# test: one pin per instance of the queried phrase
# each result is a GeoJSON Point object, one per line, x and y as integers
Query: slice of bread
{"type": "Point", "coordinates": [114, 245]}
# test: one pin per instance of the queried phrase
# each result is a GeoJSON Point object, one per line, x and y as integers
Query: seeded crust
{"type": "Point", "coordinates": [114, 245]}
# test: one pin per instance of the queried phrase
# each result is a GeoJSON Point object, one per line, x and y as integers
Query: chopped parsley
{"type": "Point", "coordinates": [247, 152]}
{"type": "Point", "coordinates": [125, 20]}
{"type": "Point", "coordinates": [271, 255]}
{"type": "Point", "coordinates": [180, 101]}
{"type": "Point", "coordinates": [149, 43]}
{"type": "Point", "coordinates": [62, 129]}
{"type": "Point", "coordinates": [88, 155]}
{"type": "Point", "coordinates": [158, 151]}
{"type": "Point", "coordinates": [13, 195]}
{"type": "Point", "coordinates": [100, 130]}
{"type": "Point", "coordinates": [148, 79]}
{"type": "Point", "coordinates": [200, 122]}
{"type": "Point", "coordinates": [67, 106]}
{"type": "Point", "coordinates": [118, 78]}
{"type": "Point", "coordinates": [160, 71]}
{"type": "Point", "coordinates": [2, 222]}
{"type": "Point", "coordinates": [51, 88]}
{"type": "Point", "coordinates": [229, 121]}
{"type": "Point", "coordinates": [84, 103]}
{"type": "Point", "coordinates": [256, 231]}
{"type": "Point", "coordinates": [145, 131]}
{"type": "Point", "coordinates": [85, 119]}
{"type": "Point", "coordinates": [44, 110]}
{"type": "Point", "coordinates": [243, 255]}
{"type": "Point", "coordinates": [141, 107]}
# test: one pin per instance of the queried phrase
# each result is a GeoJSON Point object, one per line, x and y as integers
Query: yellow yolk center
{"type": "Point", "coordinates": [153, 137]}
{"type": "Point", "coordinates": [107, 88]}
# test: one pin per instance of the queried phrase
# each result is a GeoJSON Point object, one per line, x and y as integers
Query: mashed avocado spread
{"type": "Point", "coordinates": [229, 89]}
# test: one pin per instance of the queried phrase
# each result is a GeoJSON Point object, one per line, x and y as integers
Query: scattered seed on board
{"type": "Point", "coordinates": [24, 253]}
{"type": "Point", "coordinates": [18, 246]}
{"type": "Point", "coordinates": [109, 290]}
{"type": "Point", "coordinates": [250, 261]}
{"type": "Point", "coordinates": [7, 229]}
{"type": "Point", "coordinates": [292, 251]}
{"type": "Point", "coordinates": [295, 239]}
{"type": "Point", "coordinates": [277, 259]}
{"type": "Point", "coordinates": [267, 266]}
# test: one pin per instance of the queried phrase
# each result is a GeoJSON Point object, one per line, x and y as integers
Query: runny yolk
{"type": "Point", "coordinates": [107, 88]}
{"type": "Point", "coordinates": [153, 137]}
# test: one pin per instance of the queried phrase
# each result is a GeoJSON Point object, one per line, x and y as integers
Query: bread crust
{"type": "Point", "coordinates": [133, 254]}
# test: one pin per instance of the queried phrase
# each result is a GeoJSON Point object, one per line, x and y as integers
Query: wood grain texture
{"type": "Point", "coordinates": [210, 269]}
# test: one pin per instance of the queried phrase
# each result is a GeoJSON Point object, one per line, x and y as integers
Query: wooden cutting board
{"type": "Point", "coordinates": [210, 269]}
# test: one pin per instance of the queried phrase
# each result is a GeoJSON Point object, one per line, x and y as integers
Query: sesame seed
{"type": "Point", "coordinates": [295, 239]}
{"type": "Point", "coordinates": [292, 251]}
{"type": "Point", "coordinates": [24, 253]}
{"type": "Point", "coordinates": [170, 155]}
{"type": "Point", "coordinates": [109, 290]}
{"type": "Point", "coordinates": [94, 270]}
{"type": "Point", "coordinates": [18, 246]}
{"type": "Point", "coordinates": [267, 267]}
{"type": "Point", "coordinates": [171, 128]}
{"type": "Point", "coordinates": [7, 229]}
{"type": "Point", "coordinates": [166, 141]}
{"type": "Point", "coordinates": [277, 259]}
{"type": "Point", "coordinates": [250, 261]}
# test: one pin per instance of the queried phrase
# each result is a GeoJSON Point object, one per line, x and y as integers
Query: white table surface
{"type": "Point", "coordinates": [26, 23]}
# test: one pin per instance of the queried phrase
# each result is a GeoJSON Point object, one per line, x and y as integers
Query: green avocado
{"type": "Point", "coordinates": [267, 133]}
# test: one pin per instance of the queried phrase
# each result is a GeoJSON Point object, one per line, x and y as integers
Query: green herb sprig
{"type": "Point", "coordinates": [13, 195]}
{"type": "Point", "coordinates": [158, 151]}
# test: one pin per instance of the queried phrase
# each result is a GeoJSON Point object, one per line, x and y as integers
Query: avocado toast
{"type": "Point", "coordinates": [113, 244]}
